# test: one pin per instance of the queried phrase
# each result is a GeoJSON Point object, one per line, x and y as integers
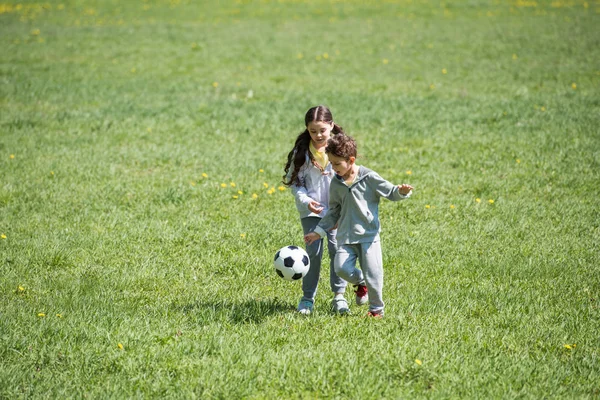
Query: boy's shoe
{"type": "Point", "coordinates": [340, 305]}
{"type": "Point", "coordinates": [375, 314]}
{"type": "Point", "coordinates": [305, 307]}
{"type": "Point", "coordinates": [361, 295]}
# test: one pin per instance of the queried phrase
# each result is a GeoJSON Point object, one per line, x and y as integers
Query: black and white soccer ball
{"type": "Point", "coordinates": [291, 263]}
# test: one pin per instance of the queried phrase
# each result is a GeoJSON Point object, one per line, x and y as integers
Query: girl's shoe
{"type": "Point", "coordinates": [361, 295]}
{"type": "Point", "coordinates": [305, 307]}
{"type": "Point", "coordinates": [340, 305]}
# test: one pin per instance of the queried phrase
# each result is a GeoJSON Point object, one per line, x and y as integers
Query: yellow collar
{"type": "Point", "coordinates": [319, 156]}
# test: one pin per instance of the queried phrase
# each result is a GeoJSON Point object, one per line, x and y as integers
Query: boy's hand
{"type": "Point", "coordinates": [404, 189]}
{"type": "Point", "coordinates": [315, 207]}
{"type": "Point", "coordinates": [311, 237]}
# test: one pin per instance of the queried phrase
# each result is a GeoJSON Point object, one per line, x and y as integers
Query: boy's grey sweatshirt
{"type": "Point", "coordinates": [355, 208]}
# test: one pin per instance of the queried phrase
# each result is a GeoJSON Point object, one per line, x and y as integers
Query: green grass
{"type": "Point", "coordinates": [111, 112]}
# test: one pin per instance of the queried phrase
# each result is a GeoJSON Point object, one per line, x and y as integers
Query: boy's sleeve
{"type": "Point", "coordinates": [386, 189]}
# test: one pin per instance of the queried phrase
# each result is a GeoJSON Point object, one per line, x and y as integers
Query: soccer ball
{"type": "Point", "coordinates": [291, 263]}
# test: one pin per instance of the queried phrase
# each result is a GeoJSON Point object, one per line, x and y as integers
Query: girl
{"type": "Point", "coordinates": [308, 173]}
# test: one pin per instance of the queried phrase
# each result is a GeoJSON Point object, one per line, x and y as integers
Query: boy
{"type": "Point", "coordinates": [354, 197]}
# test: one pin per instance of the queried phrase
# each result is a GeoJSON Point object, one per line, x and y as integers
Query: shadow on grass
{"type": "Point", "coordinates": [250, 311]}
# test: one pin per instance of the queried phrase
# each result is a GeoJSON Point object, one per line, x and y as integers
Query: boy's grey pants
{"type": "Point", "coordinates": [315, 253]}
{"type": "Point", "coordinates": [371, 263]}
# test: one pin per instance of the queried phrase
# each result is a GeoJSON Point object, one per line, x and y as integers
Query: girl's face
{"type": "Point", "coordinates": [320, 132]}
{"type": "Point", "coordinates": [342, 166]}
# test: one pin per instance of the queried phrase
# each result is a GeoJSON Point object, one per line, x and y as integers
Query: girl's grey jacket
{"type": "Point", "coordinates": [355, 208]}
{"type": "Point", "coordinates": [314, 185]}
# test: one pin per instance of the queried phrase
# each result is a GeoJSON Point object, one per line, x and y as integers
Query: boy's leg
{"type": "Point", "coordinates": [315, 252]}
{"type": "Point", "coordinates": [338, 285]}
{"type": "Point", "coordinates": [345, 263]}
{"type": "Point", "coordinates": [371, 262]}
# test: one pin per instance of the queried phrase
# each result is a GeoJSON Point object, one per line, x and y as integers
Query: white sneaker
{"type": "Point", "coordinates": [305, 307]}
{"type": "Point", "coordinates": [340, 305]}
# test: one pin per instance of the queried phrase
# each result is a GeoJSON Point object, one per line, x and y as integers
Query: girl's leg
{"type": "Point", "coordinates": [338, 285]}
{"type": "Point", "coordinates": [345, 263]}
{"type": "Point", "coordinates": [315, 252]}
{"type": "Point", "coordinates": [371, 263]}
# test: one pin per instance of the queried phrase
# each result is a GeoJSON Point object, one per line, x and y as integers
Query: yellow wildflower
{"type": "Point", "coordinates": [254, 196]}
{"type": "Point", "coordinates": [409, 172]}
{"type": "Point", "coordinates": [418, 362]}
{"type": "Point", "coordinates": [452, 206]}
{"type": "Point", "coordinates": [41, 315]}
{"type": "Point", "coordinates": [265, 184]}
{"type": "Point", "coordinates": [120, 346]}
{"type": "Point", "coordinates": [59, 315]}
{"type": "Point", "coordinates": [491, 201]}
{"type": "Point", "coordinates": [478, 200]}
{"type": "Point", "coordinates": [3, 236]}
{"type": "Point", "coordinates": [12, 156]}
{"type": "Point", "coordinates": [243, 235]}
{"type": "Point", "coordinates": [240, 192]}
{"type": "Point", "coordinates": [281, 188]}
{"type": "Point", "coordinates": [574, 85]}
{"type": "Point", "coordinates": [215, 84]}
{"type": "Point", "coordinates": [261, 170]}
{"type": "Point", "coordinates": [444, 71]}
{"type": "Point", "coordinates": [204, 175]}
{"type": "Point", "coordinates": [223, 185]}
{"type": "Point", "coordinates": [428, 206]}
{"type": "Point", "coordinates": [21, 289]}
{"type": "Point", "coordinates": [232, 184]}
{"type": "Point", "coordinates": [234, 196]}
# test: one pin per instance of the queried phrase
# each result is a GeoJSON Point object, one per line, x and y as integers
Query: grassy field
{"type": "Point", "coordinates": [142, 145]}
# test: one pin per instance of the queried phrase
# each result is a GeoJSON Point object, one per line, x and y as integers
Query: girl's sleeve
{"type": "Point", "coordinates": [299, 191]}
{"type": "Point", "coordinates": [386, 189]}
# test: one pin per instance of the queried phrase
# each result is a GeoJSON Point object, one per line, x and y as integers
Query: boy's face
{"type": "Point", "coordinates": [342, 166]}
{"type": "Point", "coordinates": [319, 132]}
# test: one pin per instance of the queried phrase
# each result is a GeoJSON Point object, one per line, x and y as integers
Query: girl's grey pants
{"type": "Point", "coordinates": [315, 253]}
{"type": "Point", "coordinates": [369, 256]}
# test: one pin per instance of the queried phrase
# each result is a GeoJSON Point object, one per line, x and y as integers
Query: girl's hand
{"type": "Point", "coordinates": [315, 207]}
{"type": "Point", "coordinates": [404, 189]}
{"type": "Point", "coordinates": [311, 237]}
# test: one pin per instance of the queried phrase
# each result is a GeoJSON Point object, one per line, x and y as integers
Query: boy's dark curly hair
{"type": "Point", "coordinates": [342, 146]}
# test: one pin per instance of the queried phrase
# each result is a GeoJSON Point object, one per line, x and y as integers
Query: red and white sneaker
{"type": "Point", "coordinates": [375, 314]}
{"type": "Point", "coordinates": [362, 297]}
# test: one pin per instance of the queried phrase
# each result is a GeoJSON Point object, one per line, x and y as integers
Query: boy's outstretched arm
{"type": "Point", "coordinates": [404, 189]}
